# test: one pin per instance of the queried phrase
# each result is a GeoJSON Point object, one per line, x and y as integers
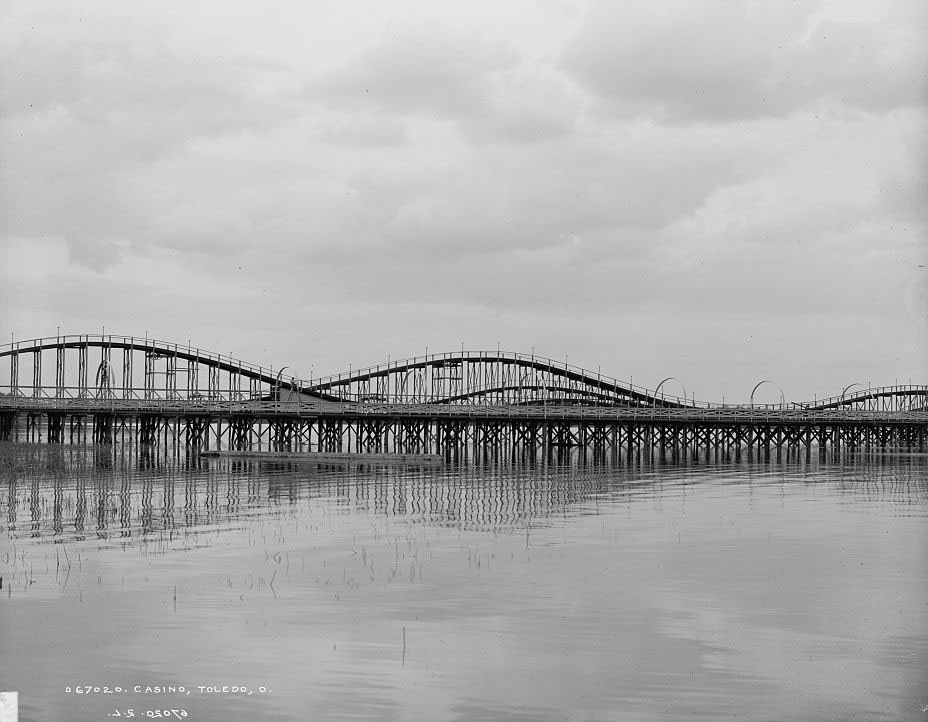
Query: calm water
{"type": "Point", "coordinates": [483, 592]}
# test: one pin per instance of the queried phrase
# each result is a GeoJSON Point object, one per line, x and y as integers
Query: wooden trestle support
{"type": "Point", "coordinates": [470, 435]}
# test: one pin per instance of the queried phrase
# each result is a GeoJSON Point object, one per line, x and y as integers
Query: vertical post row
{"type": "Point", "coordinates": [59, 370]}
{"type": "Point", "coordinates": [82, 373]}
{"type": "Point", "coordinates": [36, 373]}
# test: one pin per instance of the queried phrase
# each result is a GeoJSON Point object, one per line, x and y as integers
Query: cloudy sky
{"type": "Point", "coordinates": [719, 191]}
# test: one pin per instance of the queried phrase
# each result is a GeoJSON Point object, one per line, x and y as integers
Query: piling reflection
{"type": "Point", "coordinates": [79, 492]}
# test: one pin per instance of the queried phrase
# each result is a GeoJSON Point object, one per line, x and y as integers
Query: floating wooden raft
{"type": "Point", "coordinates": [325, 457]}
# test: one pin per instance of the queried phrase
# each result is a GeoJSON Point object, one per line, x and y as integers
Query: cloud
{"type": "Point", "coordinates": [148, 86]}
{"type": "Point", "coordinates": [94, 253]}
{"type": "Point", "coordinates": [433, 72]}
{"type": "Point", "coordinates": [731, 60]}
{"type": "Point", "coordinates": [527, 106]}
{"type": "Point", "coordinates": [482, 86]}
{"type": "Point", "coordinates": [517, 196]}
{"type": "Point", "coordinates": [358, 129]}
{"type": "Point", "coordinates": [92, 101]}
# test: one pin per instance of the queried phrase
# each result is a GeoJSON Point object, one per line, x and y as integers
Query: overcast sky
{"type": "Point", "coordinates": [719, 191]}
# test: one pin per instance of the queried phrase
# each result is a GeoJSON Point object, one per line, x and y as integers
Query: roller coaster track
{"type": "Point", "coordinates": [517, 378]}
{"type": "Point", "coordinates": [127, 367]}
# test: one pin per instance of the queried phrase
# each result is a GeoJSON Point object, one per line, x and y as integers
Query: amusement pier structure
{"type": "Point", "coordinates": [106, 389]}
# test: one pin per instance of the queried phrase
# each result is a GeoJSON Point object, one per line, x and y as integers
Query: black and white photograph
{"type": "Point", "coordinates": [472, 362]}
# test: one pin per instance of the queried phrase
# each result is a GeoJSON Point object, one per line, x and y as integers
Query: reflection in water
{"type": "Point", "coordinates": [492, 590]}
{"type": "Point", "coordinates": [131, 495]}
